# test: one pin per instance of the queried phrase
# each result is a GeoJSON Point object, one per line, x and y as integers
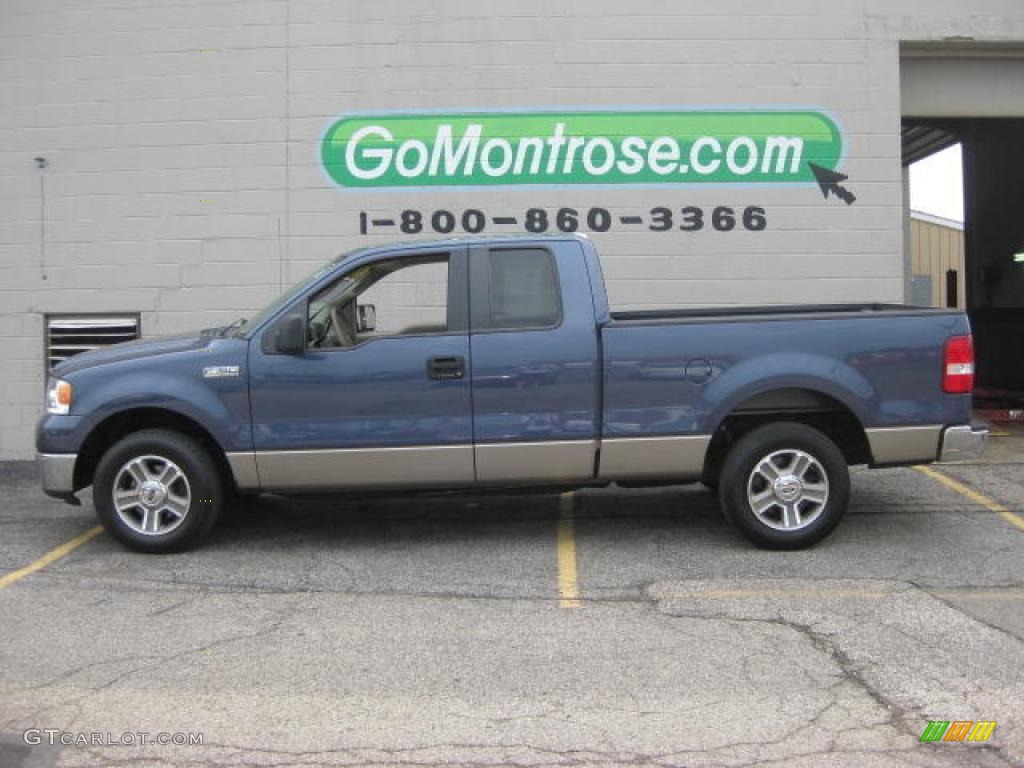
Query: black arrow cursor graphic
{"type": "Point", "coordinates": [830, 181]}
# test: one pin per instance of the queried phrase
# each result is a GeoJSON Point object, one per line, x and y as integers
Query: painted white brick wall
{"type": "Point", "coordinates": [182, 141]}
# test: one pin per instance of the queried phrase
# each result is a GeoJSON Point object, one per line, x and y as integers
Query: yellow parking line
{"type": "Point", "coordinates": [568, 586]}
{"type": "Point", "coordinates": [974, 496]}
{"type": "Point", "coordinates": [1005, 593]}
{"type": "Point", "coordinates": [50, 557]}
{"type": "Point", "coordinates": [1009, 593]}
{"type": "Point", "coordinates": [741, 594]}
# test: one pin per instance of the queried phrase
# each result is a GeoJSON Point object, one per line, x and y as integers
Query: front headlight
{"type": "Point", "coordinates": [58, 396]}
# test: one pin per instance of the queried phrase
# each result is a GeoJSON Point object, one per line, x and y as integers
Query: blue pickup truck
{"type": "Point", "coordinates": [497, 363]}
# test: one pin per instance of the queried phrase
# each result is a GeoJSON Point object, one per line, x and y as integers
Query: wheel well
{"type": "Point", "coordinates": [113, 428]}
{"type": "Point", "coordinates": [804, 406]}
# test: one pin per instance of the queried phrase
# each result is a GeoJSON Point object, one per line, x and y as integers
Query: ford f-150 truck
{"type": "Point", "coordinates": [496, 363]}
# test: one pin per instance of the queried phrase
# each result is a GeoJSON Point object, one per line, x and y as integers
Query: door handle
{"type": "Point", "coordinates": [446, 368]}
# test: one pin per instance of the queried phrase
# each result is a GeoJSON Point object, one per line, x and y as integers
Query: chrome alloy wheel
{"type": "Point", "coordinates": [787, 490]}
{"type": "Point", "coordinates": [151, 495]}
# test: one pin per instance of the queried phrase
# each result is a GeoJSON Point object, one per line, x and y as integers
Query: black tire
{"type": "Point", "coordinates": [784, 443]}
{"type": "Point", "coordinates": [156, 450]}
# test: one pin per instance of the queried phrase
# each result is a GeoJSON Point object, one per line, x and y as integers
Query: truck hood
{"type": "Point", "coordinates": [133, 350]}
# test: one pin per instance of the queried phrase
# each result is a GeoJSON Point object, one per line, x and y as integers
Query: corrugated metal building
{"type": "Point", "coordinates": [937, 261]}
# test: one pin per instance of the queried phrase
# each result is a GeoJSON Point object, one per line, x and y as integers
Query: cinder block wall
{"type": "Point", "coordinates": [182, 144]}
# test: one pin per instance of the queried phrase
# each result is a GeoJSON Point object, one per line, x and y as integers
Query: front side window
{"type": "Point", "coordinates": [524, 289]}
{"type": "Point", "coordinates": [393, 297]}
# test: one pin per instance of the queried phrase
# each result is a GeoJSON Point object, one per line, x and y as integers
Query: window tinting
{"type": "Point", "coordinates": [524, 289]}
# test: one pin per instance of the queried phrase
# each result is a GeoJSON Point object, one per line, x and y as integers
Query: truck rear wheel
{"type": "Point", "coordinates": [158, 491]}
{"type": "Point", "coordinates": [784, 486]}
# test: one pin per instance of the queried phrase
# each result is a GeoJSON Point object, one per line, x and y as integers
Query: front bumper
{"type": "Point", "coordinates": [963, 442]}
{"type": "Point", "coordinates": [57, 473]}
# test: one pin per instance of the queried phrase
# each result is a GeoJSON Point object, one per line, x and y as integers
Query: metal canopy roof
{"type": "Point", "coordinates": [921, 138]}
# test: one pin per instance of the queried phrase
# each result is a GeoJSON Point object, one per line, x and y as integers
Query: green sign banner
{"type": "Point", "coordinates": [582, 147]}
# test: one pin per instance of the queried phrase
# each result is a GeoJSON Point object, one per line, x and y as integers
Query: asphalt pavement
{"type": "Point", "coordinates": [606, 627]}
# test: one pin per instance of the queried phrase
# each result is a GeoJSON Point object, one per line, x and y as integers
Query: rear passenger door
{"type": "Point", "coordinates": [533, 351]}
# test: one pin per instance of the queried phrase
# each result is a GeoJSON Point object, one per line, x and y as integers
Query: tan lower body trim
{"type": "Point", "coordinates": [57, 471]}
{"type": "Point", "coordinates": [417, 467]}
{"type": "Point", "coordinates": [624, 458]}
{"type": "Point", "coordinates": [243, 467]}
{"type": "Point", "coordinates": [548, 461]}
{"type": "Point", "coordinates": [552, 461]}
{"type": "Point", "coordinates": [904, 445]}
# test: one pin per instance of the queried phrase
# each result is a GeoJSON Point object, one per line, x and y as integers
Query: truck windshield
{"type": "Point", "coordinates": [256, 320]}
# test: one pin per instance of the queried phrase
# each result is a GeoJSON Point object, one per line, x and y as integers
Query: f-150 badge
{"type": "Point", "coordinates": [220, 371]}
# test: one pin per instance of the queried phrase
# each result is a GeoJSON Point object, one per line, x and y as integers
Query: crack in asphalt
{"type": "Point", "coordinates": [897, 717]}
{"type": "Point", "coordinates": [894, 717]}
{"type": "Point", "coordinates": [628, 593]}
{"type": "Point", "coordinates": [150, 661]}
{"type": "Point", "coordinates": [961, 610]}
{"type": "Point", "coordinates": [514, 755]}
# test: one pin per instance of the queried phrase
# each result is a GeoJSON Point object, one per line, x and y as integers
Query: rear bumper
{"type": "Point", "coordinates": [57, 473]}
{"type": "Point", "coordinates": [963, 442]}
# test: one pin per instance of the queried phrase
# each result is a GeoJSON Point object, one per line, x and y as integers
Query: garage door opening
{"type": "Point", "coordinates": [973, 99]}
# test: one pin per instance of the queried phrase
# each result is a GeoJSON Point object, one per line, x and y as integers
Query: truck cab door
{"type": "Point", "coordinates": [378, 395]}
{"type": "Point", "coordinates": [535, 369]}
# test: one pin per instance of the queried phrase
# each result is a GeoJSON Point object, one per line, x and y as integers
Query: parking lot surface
{"type": "Point", "coordinates": [609, 627]}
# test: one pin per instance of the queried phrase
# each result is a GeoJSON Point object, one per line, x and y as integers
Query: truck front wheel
{"type": "Point", "coordinates": [784, 486]}
{"type": "Point", "coordinates": [157, 491]}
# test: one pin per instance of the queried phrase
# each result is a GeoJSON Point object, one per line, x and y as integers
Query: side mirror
{"type": "Point", "coordinates": [290, 335]}
{"type": "Point", "coordinates": [366, 321]}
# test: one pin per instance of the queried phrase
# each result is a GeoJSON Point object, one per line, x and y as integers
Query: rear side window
{"type": "Point", "coordinates": [524, 289]}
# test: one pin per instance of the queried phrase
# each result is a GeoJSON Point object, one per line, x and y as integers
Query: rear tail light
{"type": "Point", "coordinates": [958, 365]}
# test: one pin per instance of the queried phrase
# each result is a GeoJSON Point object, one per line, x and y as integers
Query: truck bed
{"type": "Point", "coordinates": [778, 312]}
{"type": "Point", "coordinates": [678, 372]}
